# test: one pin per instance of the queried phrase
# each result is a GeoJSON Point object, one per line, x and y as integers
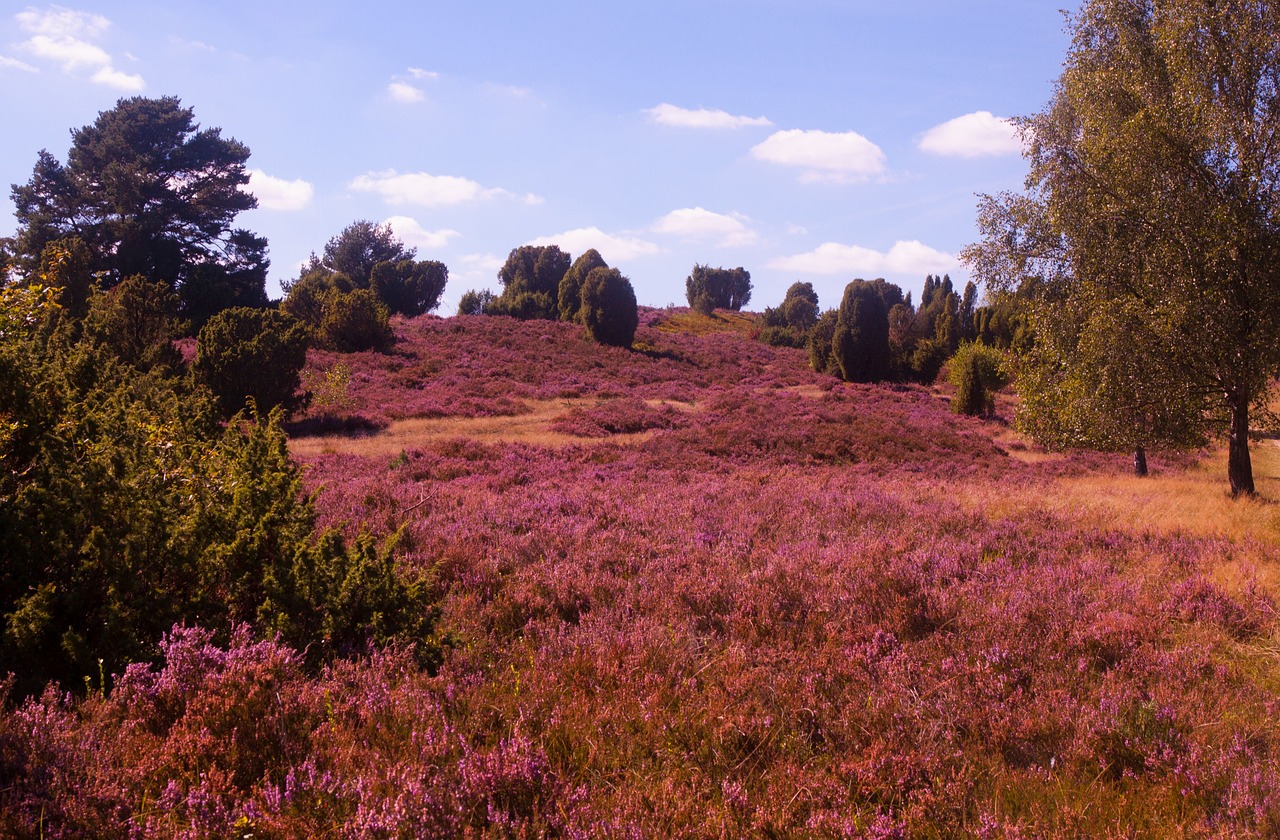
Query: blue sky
{"type": "Point", "coordinates": [815, 140]}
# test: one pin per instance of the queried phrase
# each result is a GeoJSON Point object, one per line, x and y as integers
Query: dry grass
{"type": "Point", "coordinates": [532, 428]}
{"type": "Point", "coordinates": [695, 323]}
{"type": "Point", "coordinates": [1194, 501]}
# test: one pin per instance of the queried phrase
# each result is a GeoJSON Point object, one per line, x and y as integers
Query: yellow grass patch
{"type": "Point", "coordinates": [532, 427]}
{"type": "Point", "coordinates": [695, 323]}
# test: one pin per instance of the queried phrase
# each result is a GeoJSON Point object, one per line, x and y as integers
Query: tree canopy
{"type": "Point", "coordinates": [149, 192]}
{"type": "Point", "coordinates": [709, 289]}
{"type": "Point", "coordinates": [1148, 238]}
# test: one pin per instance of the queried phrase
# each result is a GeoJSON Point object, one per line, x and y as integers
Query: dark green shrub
{"type": "Point", "coordinates": [531, 283]}
{"type": "Point", "coordinates": [790, 323]}
{"type": "Point", "coordinates": [570, 292]}
{"type": "Point", "coordinates": [475, 302]}
{"type": "Point", "coordinates": [244, 353]}
{"type": "Point", "coordinates": [407, 287]}
{"type": "Point", "coordinates": [609, 307]}
{"type": "Point", "coordinates": [137, 321]}
{"type": "Point", "coordinates": [977, 372]}
{"type": "Point", "coordinates": [821, 336]}
{"type": "Point", "coordinates": [861, 340]}
{"type": "Point", "coordinates": [353, 322]}
{"type": "Point", "coordinates": [305, 297]}
{"type": "Point", "coordinates": [708, 289]}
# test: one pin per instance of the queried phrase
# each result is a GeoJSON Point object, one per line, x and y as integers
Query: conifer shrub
{"type": "Point", "coordinates": [821, 358]}
{"type": "Point", "coordinates": [570, 291]}
{"type": "Point", "coordinates": [860, 343]}
{"type": "Point", "coordinates": [258, 354]}
{"type": "Point", "coordinates": [976, 372]}
{"type": "Point", "coordinates": [475, 302]}
{"type": "Point", "coordinates": [609, 307]}
{"type": "Point", "coordinates": [353, 322]}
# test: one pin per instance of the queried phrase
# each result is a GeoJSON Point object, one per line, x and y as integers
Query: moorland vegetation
{"type": "Point", "coordinates": [562, 565]}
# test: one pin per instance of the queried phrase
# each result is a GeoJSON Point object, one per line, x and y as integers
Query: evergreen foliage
{"type": "Point", "coordinates": [530, 283]}
{"type": "Point", "coordinates": [126, 508]}
{"type": "Point", "coordinates": [354, 321]}
{"type": "Point", "coordinates": [976, 372]}
{"type": "Point", "coordinates": [256, 354]}
{"type": "Point", "coordinates": [475, 302]}
{"type": "Point", "coordinates": [609, 307]}
{"type": "Point", "coordinates": [790, 323]}
{"type": "Point", "coordinates": [709, 289]}
{"type": "Point", "coordinates": [149, 193]}
{"type": "Point", "coordinates": [860, 343]}
{"type": "Point", "coordinates": [569, 295]}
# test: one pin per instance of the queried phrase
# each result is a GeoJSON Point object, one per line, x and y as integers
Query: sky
{"type": "Point", "coordinates": [814, 140]}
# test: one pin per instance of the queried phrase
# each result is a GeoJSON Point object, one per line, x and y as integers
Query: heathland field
{"type": "Point", "coordinates": [696, 589]}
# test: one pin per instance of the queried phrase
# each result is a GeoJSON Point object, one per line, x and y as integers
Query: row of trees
{"type": "Point", "coordinates": [540, 282]}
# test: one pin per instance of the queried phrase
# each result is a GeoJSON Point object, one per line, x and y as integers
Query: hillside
{"type": "Point", "coordinates": [695, 589]}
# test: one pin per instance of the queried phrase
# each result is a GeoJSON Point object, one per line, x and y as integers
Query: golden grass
{"type": "Point", "coordinates": [695, 323]}
{"type": "Point", "coordinates": [532, 427]}
{"type": "Point", "coordinates": [1195, 501]}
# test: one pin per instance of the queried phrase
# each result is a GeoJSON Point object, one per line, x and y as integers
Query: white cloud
{"type": "Point", "coordinates": [405, 92]}
{"type": "Point", "coordinates": [825, 156]}
{"type": "Point", "coordinates": [277, 193]}
{"type": "Point", "coordinates": [419, 73]}
{"type": "Point", "coordinates": [428, 190]}
{"type": "Point", "coordinates": [699, 224]}
{"type": "Point", "coordinates": [612, 247]}
{"type": "Point", "coordinates": [118, 79]}
{"type": "Point", "coordinates": [910, 257]}
{"type": "Point", "coordinates": [973, 135]}
{"type": "Point", "coordinates": [415, 235]}
{"type": "Point", "coordinates": [58, 22]}
{"type": "Point", "coordinates": [6, 61]}
{"type": "Point", "coordinates": [667, 114]}
{"type": "Point", "coordinates": [65, 36]}
{"type": "Point", "coordinates": [71, 53]}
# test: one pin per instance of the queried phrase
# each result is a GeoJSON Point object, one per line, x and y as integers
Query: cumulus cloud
{"type": "Point", "coordinates": [419, 73]}
{"type": "Point", "coordinates": [611, 246]}
{"type": "Point", "coordinates": [118, 79]}
{"type": "Point", "coordinates": [277, 193]}
{"type": "Point", "coordinates": [415, 235]}
{"type": "Point", "coordinates": [428, 190]}
{"type": "Point", "coordinates": [405, 92]}
{"type": "Point", "coordinates": [823, 155]}
{"type": "Point", "coordinates": [698, 224]}
{"type": "Point", "coordinates": [667, 114]}
{"type": "Point", "coordinates": [65, 37]}
{"type": "Point", "coordinates": [904, 258]}
{"type": "Point", "coordinates": [973, 135]}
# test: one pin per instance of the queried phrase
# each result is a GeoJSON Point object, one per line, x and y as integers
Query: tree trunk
{"type": "Point", "coordinates": [1239, 466]}
{"type": "Point", "coordinates": [1140, 462]}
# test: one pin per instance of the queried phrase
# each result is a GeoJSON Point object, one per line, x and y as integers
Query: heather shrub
{"type": "Point", "coordinates": [354, 321]}
{"type": "Point", "coordinates": [609, 307]}
{"type": "Point", "coordinates": [976, 371]}
{"type": "Point", "coordinates": [252, 354]}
